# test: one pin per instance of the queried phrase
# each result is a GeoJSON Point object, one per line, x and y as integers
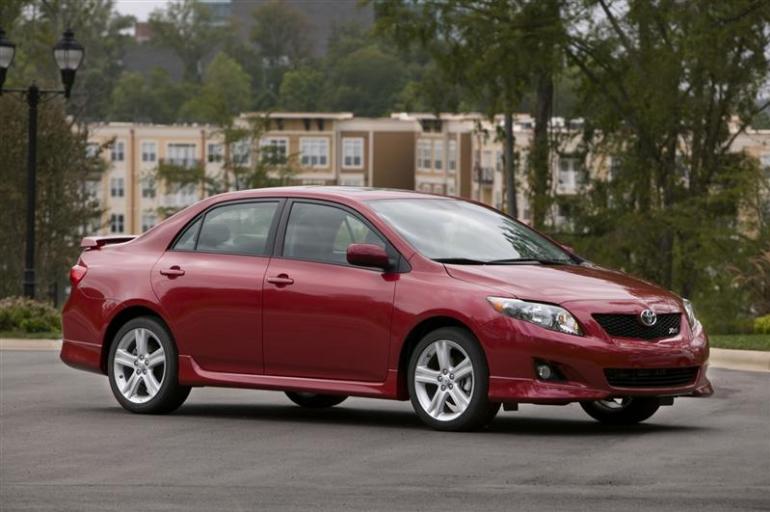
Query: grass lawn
{"type": "Point", "coordinates": [30, 335]}
{"type": "Point", "coordinates": [741, 341]}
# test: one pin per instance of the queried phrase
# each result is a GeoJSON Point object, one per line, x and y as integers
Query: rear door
{"type": "Point", "coordinates": [210, 284]}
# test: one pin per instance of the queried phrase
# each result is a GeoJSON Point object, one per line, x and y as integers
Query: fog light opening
{"type": "Point", "coordinates": [547, 371]}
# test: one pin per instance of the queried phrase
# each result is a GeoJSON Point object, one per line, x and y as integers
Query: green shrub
{"type": "Point", "coordinates": [762, 325]}
{"type": "Point", "coordinates": [20, 314]}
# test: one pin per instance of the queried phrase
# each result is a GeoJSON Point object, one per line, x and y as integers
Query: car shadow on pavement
{"type": "Point", "coordinates": [342, 416]}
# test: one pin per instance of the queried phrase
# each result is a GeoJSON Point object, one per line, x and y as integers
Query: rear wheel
{"type": "Point", "coordinates": [313, 400]}
{"type": "Point", "coordinates": [142, 368]}
{"type": "Point", "coordinates": [622, 410]}
{"type": "Point", "coordinates": [449, 380]}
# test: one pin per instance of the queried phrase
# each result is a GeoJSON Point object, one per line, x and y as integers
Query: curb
{"type": "Point", "coordinates": [26, 344]}
{"type": "Point", "coordinates": [747, 360]}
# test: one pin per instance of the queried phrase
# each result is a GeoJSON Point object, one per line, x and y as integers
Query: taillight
{"type": "Point", "coordinates": [77, 273]}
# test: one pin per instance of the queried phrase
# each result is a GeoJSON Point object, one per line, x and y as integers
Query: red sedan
{"type": "Point", "coordinates": [329, 292]}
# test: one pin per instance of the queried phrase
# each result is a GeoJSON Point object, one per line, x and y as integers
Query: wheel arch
{"type": "Point", "coordinates": [119, 320]}
{"type": "Point", "coordinates": [414, 336]}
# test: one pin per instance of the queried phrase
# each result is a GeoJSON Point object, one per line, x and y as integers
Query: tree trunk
{"type": "Point", "coordinates": [540, 168]}
{"type": "Point", "coordinates": [510, 167]}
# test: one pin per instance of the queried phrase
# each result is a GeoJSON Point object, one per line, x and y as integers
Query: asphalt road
{"type": "Point", "coordinates": [65, 445]}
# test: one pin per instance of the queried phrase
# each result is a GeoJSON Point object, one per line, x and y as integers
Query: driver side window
{"type": "Point", "coordinates": [323, 233]}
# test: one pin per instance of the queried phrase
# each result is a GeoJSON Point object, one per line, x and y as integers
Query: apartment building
{"type": "Point", "coordinates": [457, 155]}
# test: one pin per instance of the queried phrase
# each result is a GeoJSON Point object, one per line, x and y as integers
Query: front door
{"type": "Point", "coordinates": [210, 284]}
{"type": "Point", "coordinates": [322, 317]}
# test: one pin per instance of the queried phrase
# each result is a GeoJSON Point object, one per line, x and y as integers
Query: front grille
{"type": "Point", "coordinates": [629, 326]}
{"type": "Point", "coordinates": [650, 377]}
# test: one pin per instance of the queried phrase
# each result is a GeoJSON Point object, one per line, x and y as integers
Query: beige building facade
{"type": "Point", "coordinates": [450, 154]}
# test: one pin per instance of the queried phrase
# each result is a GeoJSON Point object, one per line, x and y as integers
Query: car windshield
{"type": "Point", "coordinates": [453, 231]}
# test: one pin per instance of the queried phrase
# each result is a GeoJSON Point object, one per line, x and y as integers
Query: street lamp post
{"type": "Point", "coordinates": [68, 55]}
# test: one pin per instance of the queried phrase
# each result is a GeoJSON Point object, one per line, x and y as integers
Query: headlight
{"type": "Point", "coordinates": [690, 312]}
{"type": "Point", "coordinates": [544, 315]}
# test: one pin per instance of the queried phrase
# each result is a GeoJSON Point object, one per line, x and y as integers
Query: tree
{"type": "Point", "coordinates": [37, 27]}
{"type": "Point", "coordinates": [301, 90]}
{"type": "Point", "coordinates": [225, 93]}
{"type": "Point", "coordinates": [186, 27]}
{"type": "Point", "coordinates": [155, 98]}
{"type": "Point", "coordinates": [366, 82]}
{"type": "Point", "coordinates": [666, 89]}
{"type": "Point", "coordinates": [477, 45]}
{"type": "Point", "coordinates": [280, 33]}
{"type": "Point", "coordinates": [66, 208]}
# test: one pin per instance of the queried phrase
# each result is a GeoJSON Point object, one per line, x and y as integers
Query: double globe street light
{"type": "Point", "coordinates": [68, 54]}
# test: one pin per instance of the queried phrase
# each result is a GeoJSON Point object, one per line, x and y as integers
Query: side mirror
{"type": "Point", "coordinates": [368, 255]}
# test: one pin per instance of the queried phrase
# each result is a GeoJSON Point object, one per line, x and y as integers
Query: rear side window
{"type": "Point", "coordinates": [241, 228]}
{"type": "Point", "coordinates": [186, 242]}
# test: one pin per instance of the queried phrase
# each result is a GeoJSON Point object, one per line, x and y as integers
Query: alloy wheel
{"type": "Point", "coordinates": [139, 365]}
{"type": "Point", "coordinates": [614, 404]}
{"type": "Point", "coordinates": [444, 380]}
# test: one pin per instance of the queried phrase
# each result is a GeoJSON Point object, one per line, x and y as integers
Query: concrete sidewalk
{"type": "Point", "coordinates": [747, 360]}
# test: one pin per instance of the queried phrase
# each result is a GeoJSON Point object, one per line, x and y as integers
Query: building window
{"type": "Point", "coordinates": [118, 151]}
{"type": "Point", "coordinates": [148, 187]}
{"type": "Point", "coordinates": [117, 187]}
{"type": "Point", "coordinates": [423, 154]}
{"type": "Point", "coordinates": [451, 162]}
{"type": "Point", "coordinates": [116, 223]}
{"type": "Point", "coordinates": [92, 149]}
{"type": "Point", "coordinates": [215, 153]}
{"type": "Point", "coordinates": [438, 155]}
{"type": "Point", "coordinates": [353, 153]}
{"type": "Point", "coordinates": [315, 151]}
{"type": "Point", "coordinates": [241, 152]}
{"type": "Point", "coordinates": [149, 152]}
{"type": "Point", "coordinates": [570, 173]}
{"type": "Point", "coordinates": [356, 180]}
{"type": "Point", "coordinates": [274, 149]}
{"type": "Point", "coordinates": [148, 221]}
{"type": "Point", "coordinates": [180, 154]}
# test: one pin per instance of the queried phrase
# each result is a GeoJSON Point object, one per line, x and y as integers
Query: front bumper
{"type": "Point", "coordinates": [513, 347]}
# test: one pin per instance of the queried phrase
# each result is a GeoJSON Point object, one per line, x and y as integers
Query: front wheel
{"type": "Point", "coordinates": [315, 401]}
{"type": "Point", "coordinates": [622, 411]}
{"type": "Point", "coordinates": [142, 368]}
{"type": "Point", "coordinates": [448, 381]}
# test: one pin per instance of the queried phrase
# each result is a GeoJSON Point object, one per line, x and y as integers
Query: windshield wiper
{"type": "Point", "coordinates": [460, 261]}
{"type": "Point", "coordinates": [542, 261]}
{"type": "Point", "coordinates": [508, 261]}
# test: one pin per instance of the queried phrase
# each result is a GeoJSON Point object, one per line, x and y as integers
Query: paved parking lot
{"type": "Point", "coordinates": [66, 445]}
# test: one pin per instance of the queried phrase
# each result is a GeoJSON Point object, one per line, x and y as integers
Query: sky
{"type": "Point", "coordinates": [139, 8]}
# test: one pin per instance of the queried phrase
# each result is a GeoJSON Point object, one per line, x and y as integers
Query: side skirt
{"type": "Point", "coordinates": [191, 374]}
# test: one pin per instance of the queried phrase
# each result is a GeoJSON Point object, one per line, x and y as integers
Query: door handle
{"type": "Point", "coordinates": [280, 280]}
{"type": "Point", "coordinates": [173, 271]}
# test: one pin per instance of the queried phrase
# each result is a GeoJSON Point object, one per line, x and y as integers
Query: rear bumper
{"type": "Point", "coordinates": [82, 355]}
{"type": "Point", "coordinates": [513, 347]}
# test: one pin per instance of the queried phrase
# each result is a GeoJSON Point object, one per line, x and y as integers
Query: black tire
{"type": "Point", "coordinates": [314, 400]}
{"type": "Point", "coordinates": [170, 395]}
{"type": "Point", "coordinates": [480, 411]}
{"type": "Point", "coordinates": [636, 410]}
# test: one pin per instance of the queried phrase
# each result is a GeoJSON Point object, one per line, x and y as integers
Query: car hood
{"type": "Point", "coordinates": [558, 284]}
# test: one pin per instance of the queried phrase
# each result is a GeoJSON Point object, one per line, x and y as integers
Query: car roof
{"type": "Point", "coordinates": [320, 192]}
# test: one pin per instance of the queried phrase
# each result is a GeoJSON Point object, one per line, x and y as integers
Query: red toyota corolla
{"type": "Point", "coordinates": [329, 292]}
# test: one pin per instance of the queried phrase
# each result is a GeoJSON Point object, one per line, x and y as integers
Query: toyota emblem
{"type": "Point", "coordinates": [648, 317]}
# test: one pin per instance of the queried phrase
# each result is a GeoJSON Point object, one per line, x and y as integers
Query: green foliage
{"type": "Point", "coordinates": [741, 341]}
{"type": "Point", "coordinates": [762, 325]}
{"type": "Point", "coordinates": [36, 25]}
{"type": "Point", "coordinates": [300, 90]}
{"type": "Point", "coordinates": [225, 93]}
{"type": "Point", "coordinates": [280, 33]}
{"type": "Point", "coordinates": [65, 208]}
{"type": "Point", "coordinates": [185, 26]}
{"type": "Point", "coordinates": [29, 316]}
{"type": "Point", "coordinates": [155, 98]}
